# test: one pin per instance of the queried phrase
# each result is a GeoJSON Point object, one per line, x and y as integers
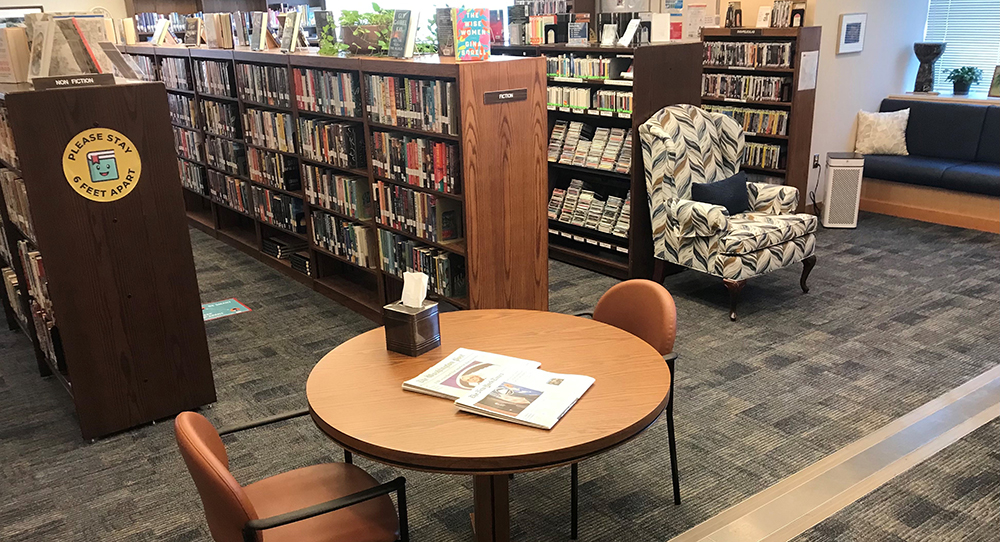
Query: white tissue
{"type": "Point", "coordinates": [414, 289]}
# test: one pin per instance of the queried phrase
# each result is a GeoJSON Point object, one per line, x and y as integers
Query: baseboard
{"type": "Point", "coordinates": [928, 204]}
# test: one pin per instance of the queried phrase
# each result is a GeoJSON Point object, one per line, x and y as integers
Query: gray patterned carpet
{"type": "Point", "coordinates": [899, 313]}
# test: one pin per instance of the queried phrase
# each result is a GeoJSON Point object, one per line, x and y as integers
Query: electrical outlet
{"type": "Point", "coordinates": [815, 161]}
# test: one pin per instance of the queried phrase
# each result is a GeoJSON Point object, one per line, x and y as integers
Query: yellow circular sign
{"type": "Point", "coordinates": [101, 164]}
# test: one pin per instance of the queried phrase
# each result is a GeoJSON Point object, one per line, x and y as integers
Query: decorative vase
{"type": "Point", "coordinates": [927, 54]}
{"type": "Point", "coordinates": [362, 39]}
{"type": "Point", "coordinates": [960, 88]}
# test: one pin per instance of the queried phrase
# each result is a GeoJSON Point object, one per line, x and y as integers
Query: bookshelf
{"type": "Point", "coordinates": [663, 74]}
{"type": "Point", "coordinates": [492, 159]}
{"type": "Point", "coordinates": [793, 140]}
{"type": "Point", "coordinates": [114, 322]}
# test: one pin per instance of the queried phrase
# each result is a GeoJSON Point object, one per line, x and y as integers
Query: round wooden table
{"type": "Point", "coordinates": [355, 396]}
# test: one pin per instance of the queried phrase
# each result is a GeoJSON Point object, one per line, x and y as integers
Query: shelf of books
{"type": "Point", "coordinates": [765, 78]}
{"type": "Point", "coordinates": [81, 263]}
{"type": "Point", "coordinates": [346, 172]}
{"type": "Point", "coordinates": [597, 97]}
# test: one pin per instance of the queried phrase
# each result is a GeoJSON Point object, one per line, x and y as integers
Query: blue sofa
{"type": "Point", "coordinates": [953, 146]}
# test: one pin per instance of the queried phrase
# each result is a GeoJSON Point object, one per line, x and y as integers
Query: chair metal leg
{"type": "Point", "coordinates": [348, 457]}
{"type": "Point", "coordinates": [573, 500]}
{"type": "Point", "coordinates": [670, 434]}
{"type": "Point", "coordinates": [735, 287]}
{"type": "Point", "coordinates": [807, 267]}
{"type": "Point", "coordinates": [404, 526]}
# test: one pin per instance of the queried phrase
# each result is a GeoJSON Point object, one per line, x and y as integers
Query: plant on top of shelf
{"type": "Point", "coordinates": [366, 33]}
{"type": "Point", "coordinates": [328, 44]}
{"type": "Point", "coordinates": [964, 77]}
{"type": "Point", "coordinates": [428, 44]}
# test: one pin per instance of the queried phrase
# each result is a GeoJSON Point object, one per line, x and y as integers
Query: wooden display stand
{"type": "Point", "coordinates": [798, 142]}
{"type": "Point", "coordinates": [502, 150]}
{"type": "Point", "coordinates": [120, 273]}
{"type": "Point", "coordinates": [663, 74]}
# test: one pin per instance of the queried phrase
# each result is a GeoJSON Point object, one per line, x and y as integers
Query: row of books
{"type": "Point", "coordinates": [226, 155]}
{"type": "Point", "coordinates": [263, 84]}
{"type": "Point", "coordinates": [416, 160]}
{"type": "Point", "coordinates": [445, 270]}
{"type": "Point", "coordinates": [279, 210]}
{"type": "Point", "coordinates": [586, 67]}
{"type": "Point", "coordinates": [13, 287]}
{"type": "Point", "coordinates": [269, 129]}
{"type": "Point", "coordinates": [743, 54]}
{"type": "Point", "coordinates": [213, 77]}
{"type": "Point", "coordinates": [8, 152]}
{"type": "Point", "coordinates": [5, 256]}
{"type": "Point", "coordinates": [757, 121]}
{"type": "Point", "coordinates": [182, 110]}
{"type": "Point", "coordinates": [613, 100]}
{"type": "Point", "coordinates": [579, 206]}
{"type": "Point", "coordinates": [330, 92]}
{"type": "Point", "coordinates": [420, 104]}
{"type": "Point", "coordinates": [746, 87]}
{"type": "Point", "coordinates": [762, 155]}
{"type": "Point", "coordinates": [221, 118]}
{"type": "Point", "coordinates": [579, 144]}
{"type": "Point", "coordinates": [346, 194]}
{"type": "Point", "coordinates": [273, 169]}
{"type": "Point", "coordinates": [188, 143]}
{"type": "Point", "coordinates": [147, 70]}
{"type": "Point", "coordinates": [192, 176]}
{"type": "Point", "coordinates": [344, 238]}
{"type": "Point", "coordinates": [418, 213]}
{"type": "Point", "coordinates": [16, 197]}
{"type": "Point", "coordinates": [340, 144]}
{"type": "Point", "coordinates": [230, 191]}
{"type": "Point", "coordinates": [174, 73]}
{"type": "Point", "coordinates": [34, 272]}
{"type": "Point", "coordinates": [146, 22]}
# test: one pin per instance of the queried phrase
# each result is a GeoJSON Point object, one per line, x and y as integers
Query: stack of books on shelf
{"type": "Point", "coordinates": [221, 118]}
{"type": "Point", "coordinates": [230, 191]}
{"type": "Point", "coordinates": [746, 87]}
{"type": "Point", "coordinates": [300, 262]}
{"type": "Point", "coordinates": [192, 176]}
{"type": "Point", "coordinates": [763, 155]}
{"type": "Point", "coordinates": [229, 156]}
{"type": "Point", "coordinates": [340, 144]}
{"type": "Point", "coordinates": [415, 160]}
{"type": "Point", "coordinates": [579, 144]}
{"type": "Point", "coordinates": [345, 194]}
{"type": "Point", "coordinates": [445, 269]}
{"type": "Point", "coordinates": [273, 169]}
{"type": "Point", "coordinates": [38, 296]}
{"type": "Point", "coordinates": [350, 241]}
{"type": "Point", "coordinates": [419, 104]}
{"type": "Point", "coordinates": [266, 85]}
{"type": "Point", "coordinates": [579, 206]}
{"type": "Point", "coordinates": [417, 213]}
{"type": "Point", "coordinates": [213, 77]}
{"type": "Point", "coordinates": [16, 196]}
{"type": "Point", "coordinates": [269, 129]}
{"type": "Point", "coordinates": [329, 92]}
{"type": "Point", "coordinates": [755, 121]}
{"type": "Point", "coordinates": [279, 210]}
{"type": "Point", "coordinates": [174, 73]}
{"type": "Point", "coordinates": [282, 248]}
{"type": "Point", "coordinates": [182, 110]}
{"type": "Point", "coordinates": [748, 54]}
{"type": "Point", "coordinates": [188, 144]}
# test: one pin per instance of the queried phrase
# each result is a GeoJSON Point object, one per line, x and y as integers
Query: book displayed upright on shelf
{"type": "Point", "coordinates": [193, 30]}
{"type": "Point", "coordinates": [403, 33]}
{"type": "Point", "coordinates": [290, 33]}
{"type": "Point", "coordinates": [445, 32]}
{"type": "Point", "coordinates": [472, 34]}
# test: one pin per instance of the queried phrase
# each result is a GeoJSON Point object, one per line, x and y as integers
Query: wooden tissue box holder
{"type": "Point", "coordinates": [411, 331]}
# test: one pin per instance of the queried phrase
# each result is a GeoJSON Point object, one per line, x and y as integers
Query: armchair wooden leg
{"type": "Point", "coordinates": [807, 267]}
{"type": "Point", "coordinates": [735, 287]}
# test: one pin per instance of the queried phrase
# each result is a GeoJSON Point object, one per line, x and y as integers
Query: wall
{"type": "Point", "coordinates": [116, 7]}
{"type": "Point", "coordinates": [851, 82]}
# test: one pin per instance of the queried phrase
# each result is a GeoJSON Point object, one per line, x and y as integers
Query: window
{"type": "Point", "coordinates": [971, 30]}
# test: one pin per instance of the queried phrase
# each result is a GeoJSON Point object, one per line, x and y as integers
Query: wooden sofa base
{"type": "Point", "coordinates": [937, 205]}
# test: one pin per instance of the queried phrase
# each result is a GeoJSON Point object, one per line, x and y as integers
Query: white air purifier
{"type": "Point", "coordinates": [843, 189]}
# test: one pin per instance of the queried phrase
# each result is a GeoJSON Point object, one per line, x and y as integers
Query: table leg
{"type": "Point", "coordinates": [492, 508]}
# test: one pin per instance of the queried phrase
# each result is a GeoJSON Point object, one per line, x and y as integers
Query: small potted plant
{"type": "Point", "coordinates": [366, 33]}
{"type": "Point", "coordinates": [962, 78]}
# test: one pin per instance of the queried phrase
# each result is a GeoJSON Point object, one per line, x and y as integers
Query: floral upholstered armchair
{"type": "Point", "coordinates": [683, 144]}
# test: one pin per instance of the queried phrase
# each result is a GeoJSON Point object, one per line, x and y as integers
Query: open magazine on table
{"type": "Point", "coordinates": [460, 373]}
{"type": "Point", "coordinates": [526, 395]}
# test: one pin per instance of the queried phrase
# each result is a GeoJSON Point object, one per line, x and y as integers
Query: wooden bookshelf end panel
{"type": "Point", "coordinates": [504, 175]}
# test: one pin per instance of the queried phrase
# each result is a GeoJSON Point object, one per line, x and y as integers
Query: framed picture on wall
{"type": "Point", "coordinates": [851, 37]}
{"type": "Point", "coordinates": [995, 83]}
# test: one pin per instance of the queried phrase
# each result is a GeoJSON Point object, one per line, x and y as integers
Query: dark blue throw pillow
{"type": "Point", "coordinates": [730, 193]}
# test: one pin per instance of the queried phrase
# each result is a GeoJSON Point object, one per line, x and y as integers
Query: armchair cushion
{"type": "Point", "coordinates": [750, 232]}
{"type": "Point", "coordinates": [772, 199]}
{"type": "Point", "coordinates": [730, 193]}
{"type": "Point", "coordinates": [696, 219]}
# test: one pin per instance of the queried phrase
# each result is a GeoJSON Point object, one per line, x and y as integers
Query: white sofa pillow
{"type": "Point", "coordinates": [882, 133]}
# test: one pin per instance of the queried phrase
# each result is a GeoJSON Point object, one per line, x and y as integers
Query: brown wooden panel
{"type": "Point", "coordinates": [121, 274]}
{"type": "Point", "coordinates": [506, 185]}
{"type": "Point", "coordinates": [798, 160]}
{"type": "Point", "coordinates": [930, 204]}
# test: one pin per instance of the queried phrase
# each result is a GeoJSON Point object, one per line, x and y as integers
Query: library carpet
{"type": "Point", "coordinates": [899, 312]}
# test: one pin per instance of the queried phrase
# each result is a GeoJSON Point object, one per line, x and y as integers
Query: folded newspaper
{"type": "Point", "coordinates": [502, 387]}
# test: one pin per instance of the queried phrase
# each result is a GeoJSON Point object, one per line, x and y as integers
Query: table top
{"type": "Point", "coordinates": [355, 394]}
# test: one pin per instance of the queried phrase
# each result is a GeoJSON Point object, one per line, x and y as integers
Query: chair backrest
{"type": "Point", "coordinates": [644, 309]}
{"type": "Point", "coordinates": [684, 144]}
{"type": "Point", "coordinates": [227, 507]}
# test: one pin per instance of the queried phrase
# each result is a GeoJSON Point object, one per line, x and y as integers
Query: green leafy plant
{"type": "Point", "coordinates": [373, 27]}
{"type": "Point", "coordinates": [328, 44]}
{"type": "Point", "coordinates": [428, 44]}
{"type": "Point", "coordinates": [967, 75]}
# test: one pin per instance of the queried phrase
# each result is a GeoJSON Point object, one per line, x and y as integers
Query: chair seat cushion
{"type": "Point", "coordinates": [911, 169]}
{"type": "Point", "coordinates": [370, 521]}
{"type": "Point", "coordinates": [975, 177]}
{"type": "Point", "coordinates": [749, 232]}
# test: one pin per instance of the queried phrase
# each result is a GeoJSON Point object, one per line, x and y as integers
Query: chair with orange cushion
{"type": "Point", "coordinates": [644, 309]}
{"type": "Point", "coordinates": [328, 502]}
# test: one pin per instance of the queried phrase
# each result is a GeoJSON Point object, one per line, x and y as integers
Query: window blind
{"type": "Point", "coordinates": [971, 29]}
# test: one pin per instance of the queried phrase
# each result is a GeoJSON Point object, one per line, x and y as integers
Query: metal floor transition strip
{"type": "Point", "coordinates": [813, 494]}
